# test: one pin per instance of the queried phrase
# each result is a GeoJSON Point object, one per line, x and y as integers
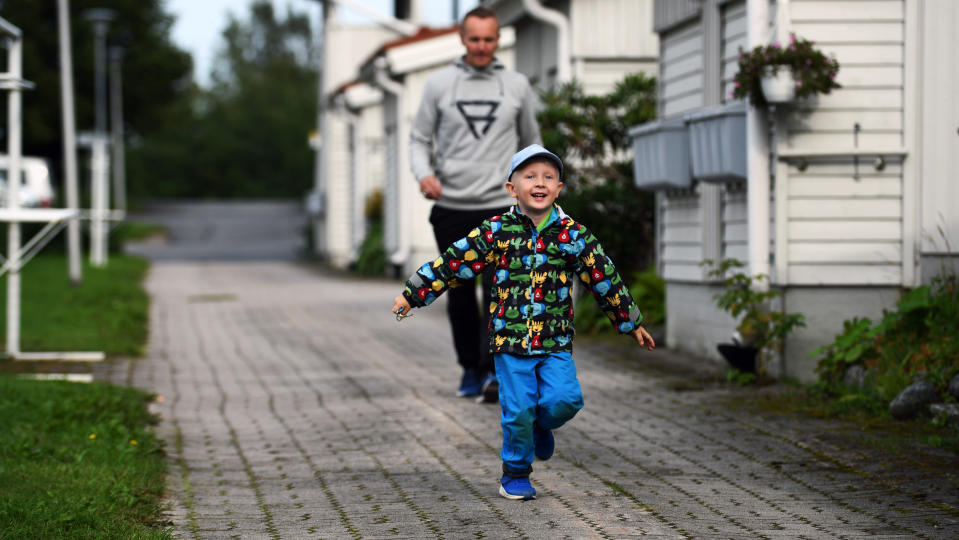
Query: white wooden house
{"type": "Point", "coordinates": [400, 68]}
{"type": "Point", "coordinates": [840, 199]}
{"type": "Point", "coordinates": [333, 201]}
{"type": "Point", "coordinates": [596, 42]}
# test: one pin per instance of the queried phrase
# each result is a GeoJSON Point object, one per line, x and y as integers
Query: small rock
{"type": "Point", "coordinates": [950, 410]}
{"type": "Point", "coordinates": [912, 400]}
{"type": "Point", "coordinates": [954, 386]}
{"type": "Point", "coordinates": [855, 376]}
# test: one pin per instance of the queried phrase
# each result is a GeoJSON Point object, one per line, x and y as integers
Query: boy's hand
{"type": "Point", "coordinates": [401, 306]}
{"type": "Point", "coordinates": [643, 338]}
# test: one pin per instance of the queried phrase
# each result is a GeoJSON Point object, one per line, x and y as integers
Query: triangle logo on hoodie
{"type": "Point", "coordinates": [478, 115]}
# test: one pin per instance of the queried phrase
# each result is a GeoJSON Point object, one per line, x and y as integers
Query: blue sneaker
{"type": "Point", "coordinates": [469, 384]}
{"type": "Point", "coordinates": [516, 489]}
{"type": "Point", "coordinates": [543, 443]}
{"type": "Point", "coordinates": [490, 390]}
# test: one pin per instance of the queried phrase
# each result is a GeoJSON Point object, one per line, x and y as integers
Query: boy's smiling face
{"type": "Point", "coordinates": [535, 187]}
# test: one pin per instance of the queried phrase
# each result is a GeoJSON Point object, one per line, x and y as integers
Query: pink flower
{"type": "Point", "coordinates": [798, 83]}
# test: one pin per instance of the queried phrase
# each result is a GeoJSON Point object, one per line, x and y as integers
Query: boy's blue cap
{"type": "Point", "coordinates": [531, 151]}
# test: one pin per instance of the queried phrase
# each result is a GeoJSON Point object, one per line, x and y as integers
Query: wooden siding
{"type": "Point", "coordinates": [733, 37]}
{"type": "Point", "coordinates": [681, 76]}
{"type": "Point", "coordinates": [669, 13]}
{"type": "Point", "coordinates": [681, 237]}
{"type": "Point", "coordinates": [840, 230]}
{"type": "Point", "coordinates": [850, 229]}
{"type": "Point", "coordinates": [600, 77]}
{"type": "Point", "coordinates": [867, 39]}
{"type": "Point", "coordinates": [338, 206]}
{"type": "Point", "coordinates": [939, 121]}
{"type": "Point", "coordinates": [735, 234]}
{"type": "Point", "coordinates": [613, 29]}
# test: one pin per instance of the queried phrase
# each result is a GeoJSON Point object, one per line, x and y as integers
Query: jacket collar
{"type": "Point", "coordinates": [518, 215]}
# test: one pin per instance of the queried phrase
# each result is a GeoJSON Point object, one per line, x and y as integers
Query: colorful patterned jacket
{"type": "Point", "coordinates": [532, 309]}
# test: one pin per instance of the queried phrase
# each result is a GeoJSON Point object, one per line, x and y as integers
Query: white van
{"type": "Point", "coordinates": [36, 186]}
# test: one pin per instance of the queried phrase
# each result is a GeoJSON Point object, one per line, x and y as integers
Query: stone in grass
{"type": "Point", "coordinates": [954, 386]}
{"type": "Point", "coordinates": [914, 399]}
{"type": "Point", "coordinates": [949, 410]}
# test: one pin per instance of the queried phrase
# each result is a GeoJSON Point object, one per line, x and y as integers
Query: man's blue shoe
{"type": "Point", "coordinates": [516, 489]}
{"type": "Point", "coordinates": [543, 443]}
{"type": "Point", "coordinates": [469, 384]}
{"type": "Point", "coordinates": [490, 390]}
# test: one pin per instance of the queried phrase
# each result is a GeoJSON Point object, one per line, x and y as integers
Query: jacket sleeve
{"type": "Point", "coordinates": [598, 274]}
{"type": "Point", "coordinates": [461, 262]}
{"type": "Point", "coordinates": [526, 123]}
{"type": "Point", "coordinates": [421, 134]}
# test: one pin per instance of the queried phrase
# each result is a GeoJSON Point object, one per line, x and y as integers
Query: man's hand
{"type": "Point", "coordinates": [431, 188]}
{"type": "Point", "coordinates": [642, 337]}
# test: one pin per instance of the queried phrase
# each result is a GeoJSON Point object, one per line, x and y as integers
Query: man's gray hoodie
{"type": "Point", "coordinates": [480, 117]}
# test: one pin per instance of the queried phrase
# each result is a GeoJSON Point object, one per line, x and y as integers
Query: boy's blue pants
{"type": "Point", "coordinates": [541, 388]}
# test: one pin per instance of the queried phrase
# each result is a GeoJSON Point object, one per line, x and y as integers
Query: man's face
{"type": "Point", "coordinates": [481, 38]}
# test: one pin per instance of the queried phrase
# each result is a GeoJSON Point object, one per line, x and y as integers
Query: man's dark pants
{"type": "Point", "coordinates": [470, 322]}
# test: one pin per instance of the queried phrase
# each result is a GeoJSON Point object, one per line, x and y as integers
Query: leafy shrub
{"type": "Point", "coordinates": [590, 133]}
{"type": "Point", "coordinates": [760, 325]}
{"type": "Point", "coordinates": [918, 338]}
{"type": "Point", "coordinates": [371, 260]}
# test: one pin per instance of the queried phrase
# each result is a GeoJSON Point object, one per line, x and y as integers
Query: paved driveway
{"type": "Point", "coordinates": [295, 406]}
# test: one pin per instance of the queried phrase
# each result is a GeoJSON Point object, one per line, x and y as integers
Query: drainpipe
{"type": "Point", "coordinates": [757, 154]}
{"type": "Point", "coordinates": [399, 205]}
{"type": "Point", "coordinates": [558, 20]}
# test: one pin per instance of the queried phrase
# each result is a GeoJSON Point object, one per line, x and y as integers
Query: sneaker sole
{"type": "Point", "coordinates": [490, 394]}
{"type": "Point", "coordinates": [503, 493]}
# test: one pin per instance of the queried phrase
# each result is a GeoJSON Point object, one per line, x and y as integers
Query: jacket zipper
{"type": "Point", "coordinates": [532, 298]}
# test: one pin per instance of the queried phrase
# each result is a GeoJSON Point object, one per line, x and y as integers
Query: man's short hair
{"type": "Point", "coordinates": [480, 12]}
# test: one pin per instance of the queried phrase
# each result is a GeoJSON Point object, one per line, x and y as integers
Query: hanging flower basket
{"type": "Point", "coordinates": [812, 72]}
{"type": "Point", "coordinates": [778, 85]}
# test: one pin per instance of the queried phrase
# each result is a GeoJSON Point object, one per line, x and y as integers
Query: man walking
{"type": "Point", "coordinates": [474, 115]}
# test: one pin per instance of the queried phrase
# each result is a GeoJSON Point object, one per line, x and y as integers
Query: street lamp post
{"type": "Point", "coordinates": [69, 141]}
{"type": "Point", "coordinates": [116, 129]}
{"type": "Point", "coordinates": [99, 165]}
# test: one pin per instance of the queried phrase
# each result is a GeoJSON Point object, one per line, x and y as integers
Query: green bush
{"type": "Point", "coordinates": [371, 260]}
{"type": "Point", "coordinates": [919, 337]}
{"type": "Point", "coordinates": [646, 288]}
{"type": "Point", "coordinates": [590, 133]}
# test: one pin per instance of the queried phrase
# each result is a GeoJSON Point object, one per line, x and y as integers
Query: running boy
{"type": "Point", "coordinates": [537, 250]}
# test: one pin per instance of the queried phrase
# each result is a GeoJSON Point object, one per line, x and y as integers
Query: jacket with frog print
{"type": "Point", "coordinates": [532, 309]}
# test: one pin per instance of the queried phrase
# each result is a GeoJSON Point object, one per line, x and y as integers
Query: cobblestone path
{"type": "Point", "coordinates": [295, 406]}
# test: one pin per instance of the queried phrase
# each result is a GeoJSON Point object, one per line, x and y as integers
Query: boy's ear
{"type": "Point", "coordinates": [510, 189]}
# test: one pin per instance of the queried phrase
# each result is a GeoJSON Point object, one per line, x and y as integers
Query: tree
{"type": "Point", "coordinates": [142, 27]}
{"type": "Point", "coordinates": [247, 135]}
{"type": "Point", "coordinates": [590, 134]}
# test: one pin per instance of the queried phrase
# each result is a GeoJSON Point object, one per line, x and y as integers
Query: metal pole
{"type": "Point", "coordinates": [116, 128]}
{"type": "Point", "coordinates": [13, 196]}
{"type": "Point", "coordinates": [100, 18]}
{"type": "Point", "coordinates": [69, 141]}
{"type": "Point", "coordinates": [757, 144]}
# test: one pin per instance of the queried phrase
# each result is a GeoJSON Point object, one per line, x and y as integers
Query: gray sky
{"type": "Point", "coordinates": [199, 22]}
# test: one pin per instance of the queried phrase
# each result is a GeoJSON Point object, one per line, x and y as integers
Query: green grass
{"type": "Point", "coordinates": [77, 461]}
{"type": "Point", "coordinates": [107, 312]}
